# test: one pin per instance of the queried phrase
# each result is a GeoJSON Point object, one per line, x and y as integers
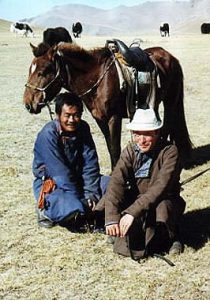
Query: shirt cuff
{"type": "Point", "coordinates": [110, 223]}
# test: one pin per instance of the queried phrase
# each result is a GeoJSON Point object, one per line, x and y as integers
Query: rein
{"type": "Point", "coordinates": [96, 84]}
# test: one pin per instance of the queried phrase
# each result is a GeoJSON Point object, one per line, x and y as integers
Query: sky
{"type": "Point", "coordinates": [14, 10]}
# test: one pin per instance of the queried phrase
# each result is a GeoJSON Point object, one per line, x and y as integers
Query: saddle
{"type": "Point", "coordinates": [135, 56]}
{"type": "Point", "coordinates": [142, 91]}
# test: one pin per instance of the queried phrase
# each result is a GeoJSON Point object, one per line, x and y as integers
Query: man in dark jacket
{"type": "Point", "coordinates": [67, 180]}
{"type": "Point", "coordinates": [142, 201]}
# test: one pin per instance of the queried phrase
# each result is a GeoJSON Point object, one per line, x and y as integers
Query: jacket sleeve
{"type": "Point", "coordinates": [90, 170]}
{"type": "Point", "coordinates": [48, 151]}
{"type": "Point", "coordinates": [116, 188]}
{"type": "Point", "coordinates": [168, 173]}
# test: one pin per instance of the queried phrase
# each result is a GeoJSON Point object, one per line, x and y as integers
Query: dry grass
{"type": "Point", "coordinates": [57, 264]}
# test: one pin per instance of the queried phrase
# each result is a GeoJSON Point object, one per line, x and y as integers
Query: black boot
{"type": "Point", "coordinates": [43, 220]}
{"type": "Point", "coordinates": [99, 222]}
{"type": "Point", "coordinates": [160, 242]}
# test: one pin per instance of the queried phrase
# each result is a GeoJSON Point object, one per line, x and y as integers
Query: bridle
{"type": "Point", "coordinates": [44, 89]}
{"type": "Point", "coordinates": [58, 78]}
{"type": "Point", "coordinates": [46, 101]}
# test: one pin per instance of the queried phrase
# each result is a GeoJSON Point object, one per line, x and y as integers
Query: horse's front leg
{"type": "Point", "coordinates": [112, 133]}
{"type": "Point", "coordinates": [103, 125]}
{"type": "Point", "coordinates": [115, 127]}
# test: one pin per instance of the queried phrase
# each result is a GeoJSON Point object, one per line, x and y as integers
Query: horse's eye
{"type": "Point", "coordinates": [49, 69]}
{"type": "Point", "coordinates": [39, 74]}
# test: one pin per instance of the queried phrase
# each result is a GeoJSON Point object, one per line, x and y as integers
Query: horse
{"type": "Point", "coordinates": [93, 75]}
{"type": "Point", "coordinates": [205, 28]}
{"type": "Point", "coordinates": [164, 29]}
{"type": "Point", "coordinates": [53, 36]}
{"type": "Point", "coordinates": [21, 28]}
{"type": "Point", "coordinates": [77, 29]}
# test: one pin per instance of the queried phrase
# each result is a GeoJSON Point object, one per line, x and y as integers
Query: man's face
{"type": "Point", "coordinates": [70, 118]}
{"type": "Point", "coordinates": [146, 140]}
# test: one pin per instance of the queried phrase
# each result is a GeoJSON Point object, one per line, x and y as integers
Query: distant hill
{"type": "Point", "coordinates": [4, 25]}
{"type": "Point", "coordinates": [181, 15]}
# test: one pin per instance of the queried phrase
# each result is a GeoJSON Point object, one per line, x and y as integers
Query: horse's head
{"type": "Point", "coordinates": [44, 81]}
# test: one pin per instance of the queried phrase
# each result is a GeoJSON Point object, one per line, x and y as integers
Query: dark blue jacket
{"type": "Point", "coordinates": [72, 162]}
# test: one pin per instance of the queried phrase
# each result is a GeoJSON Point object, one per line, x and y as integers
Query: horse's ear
{"type": "Point", "coordinates": [40, 50]}
{"type": "Point", "coordinates": [34, 49]}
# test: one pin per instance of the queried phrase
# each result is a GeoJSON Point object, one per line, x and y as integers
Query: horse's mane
{"type": "Point", "coordinates": [74, 50]}
{"type": "Point", "coordinates": [77, 51]}
{"type": "Point", "coordinates": [102, 52]}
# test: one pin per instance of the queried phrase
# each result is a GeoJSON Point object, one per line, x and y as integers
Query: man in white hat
{"type": "Point", "coordinates": [142, 202]}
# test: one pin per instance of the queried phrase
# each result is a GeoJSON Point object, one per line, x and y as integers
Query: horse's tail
{"type": "Point", "coordinates": [175, 114]}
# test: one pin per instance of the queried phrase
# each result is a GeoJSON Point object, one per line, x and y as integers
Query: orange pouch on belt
{"type": "Point", "coordinates": [48, 186]}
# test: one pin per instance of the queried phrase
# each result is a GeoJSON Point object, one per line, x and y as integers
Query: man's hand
{"type": "Point", "coordinates": [113, 229]}
{"type": "Point", "coordinates": [125, 223]}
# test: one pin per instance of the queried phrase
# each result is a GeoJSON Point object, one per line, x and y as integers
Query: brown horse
{"type": "Point", "coordinates": [92, 74]}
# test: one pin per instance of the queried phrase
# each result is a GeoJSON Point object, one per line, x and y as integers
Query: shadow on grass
{"type": "Point", "coordinates": [195, 228]}
{"type": "Point", "coordinates": [200, 156]}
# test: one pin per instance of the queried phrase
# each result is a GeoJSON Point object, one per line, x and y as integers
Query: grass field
{"type": "Point", "coordinates": [56, 264]}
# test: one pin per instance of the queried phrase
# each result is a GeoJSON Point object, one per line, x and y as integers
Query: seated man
{"type": "Point", "coordinates": [142, 201]}
{"type": "Point", "coordinates": [67, 180]}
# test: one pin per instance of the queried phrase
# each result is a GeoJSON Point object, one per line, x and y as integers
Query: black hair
{"type": "Point", "coordinates": [68, 98]}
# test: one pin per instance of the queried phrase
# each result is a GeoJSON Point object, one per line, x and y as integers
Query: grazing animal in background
{"type": "Point", "coordinates": [92, 74]}
{"type": "Point", "coordinates": [205, 28]}
{"type": "Point", "coordinates": [164, 29]}
{"type": "Point", "coordinates": [77, 29]}
{"type": "Point", "coordinates": [53, 36]}
{"type": "Point", "coordinates": [22, 29]}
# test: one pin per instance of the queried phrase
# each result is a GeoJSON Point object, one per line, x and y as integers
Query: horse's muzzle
{"type": "Point", "coordinates": [31, 110]}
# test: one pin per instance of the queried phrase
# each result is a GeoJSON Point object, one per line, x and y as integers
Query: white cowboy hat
{"type": "Point", "coordinates": [143, 120]}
